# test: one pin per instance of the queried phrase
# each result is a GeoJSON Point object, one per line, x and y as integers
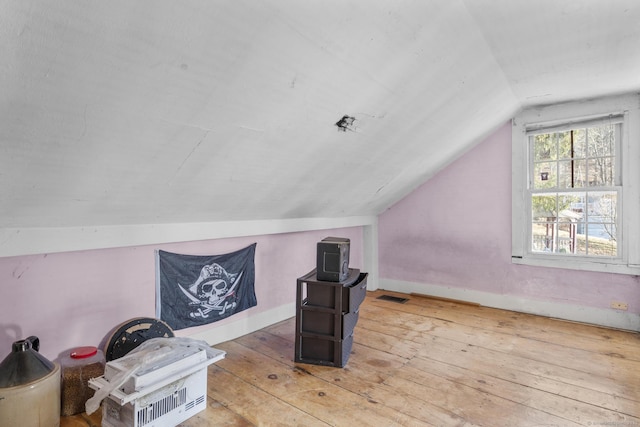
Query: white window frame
{"type": "Point", "coordinates": [566, 114]}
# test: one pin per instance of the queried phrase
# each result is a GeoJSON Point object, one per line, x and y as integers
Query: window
{"type": "Point", "coordinates": [575, 189]}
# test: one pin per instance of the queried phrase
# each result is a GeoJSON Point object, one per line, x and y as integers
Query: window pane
{"type": "Point", "coordinates": [601, 171]}
{"type": "Point", "coordinates": [555, 218]}
{"type": "Point", "coordinates": [564, 145]}
{"type": "Point", "coordinates": [565, 174]}
{"type": "Point", "coordinates": [570, 205]}
{"type": "Point", "coordinates": [544, 175]}
{"type": "Point", "coordinates": [609, 249]}
{"type": "Point", "coordinates": [579, 144]}
{"type": "Point", "coordinates": [566, 236]}
{"type": "Point", "coordinates": [574, 223]}
{"type": "Point", "coordinates": [601, 216]}
{"type": "Point", "coordinates": [602, 206]}
{"type": "Point", "coordinates": [542, 237]}
{"type": "Point", "coordinates": [544, 147]}
{"type": "Point", "coordinates": [543, 207]}
{"type": "Point", "coordinates": [599, 244]}
{"type": "Point", "coordinates": [601, 141]}
{"type": "Point", "coordinates": [580, 173]}
{"type": "Point", "coordinates": [581, 240]}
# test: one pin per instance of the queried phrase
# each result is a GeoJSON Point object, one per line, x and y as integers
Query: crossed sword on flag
{"type": "Point", "coordinates": [208, 308]}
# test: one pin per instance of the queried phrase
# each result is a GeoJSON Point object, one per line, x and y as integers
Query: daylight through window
{"type": "Point", "coordinates": [574, 188]}
{"type": "Point", "coordinates": [575, 185]}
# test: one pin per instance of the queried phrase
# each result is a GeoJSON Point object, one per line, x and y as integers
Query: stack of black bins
{"type": "Point", "coordinates": [326, 315]}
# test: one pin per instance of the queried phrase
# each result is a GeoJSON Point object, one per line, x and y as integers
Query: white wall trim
{"type": "Point", "coordinates": [596, 316]}
{"type": "Point", "coordinates": [370, 249]}
{"type": "Point", "coordinates": [29, 241]}
{"type": "Point", "coordinates": [247, 325]}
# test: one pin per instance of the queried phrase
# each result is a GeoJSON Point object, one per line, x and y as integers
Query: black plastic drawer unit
{"type": "Point", "coordinates": [323, 323]}
{"type": "Point", "coordinates": [326, 316]}
{"type": "Point", "coordinates": [323, 351]}
{"type": "Point", "coordinates": [353, 290]}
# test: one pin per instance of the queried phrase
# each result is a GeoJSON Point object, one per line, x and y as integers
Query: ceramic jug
{"type": "Point", "coordinates": [29, 387]}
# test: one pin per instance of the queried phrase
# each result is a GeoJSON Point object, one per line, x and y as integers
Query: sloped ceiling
{"type": "Point", "coordinates": [150, 112]}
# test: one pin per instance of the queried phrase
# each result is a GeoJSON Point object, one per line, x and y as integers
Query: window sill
{"type": "Point", "coordinates": [603, 266]}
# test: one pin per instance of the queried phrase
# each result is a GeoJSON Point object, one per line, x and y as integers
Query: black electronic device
{"type": "Point", "coordinates": [333, 259]}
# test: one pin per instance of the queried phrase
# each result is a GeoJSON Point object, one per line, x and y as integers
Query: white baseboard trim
{"type": "Point", "coordinates": [247, 325]}
{"type": "Point", "coordinates": [596, 316]}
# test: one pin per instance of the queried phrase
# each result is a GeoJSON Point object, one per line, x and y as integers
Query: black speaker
{"type": "Point", "coordinates": [333, 259]}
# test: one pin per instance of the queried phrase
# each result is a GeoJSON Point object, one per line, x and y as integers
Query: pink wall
{"type": "Point", "coordinates": [455, 231]}
{"type": "Point", "coordinates": [75, 298]}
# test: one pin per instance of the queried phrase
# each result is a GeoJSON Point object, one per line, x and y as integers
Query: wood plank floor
{"type": "Point", "coordinates": [430, 362]}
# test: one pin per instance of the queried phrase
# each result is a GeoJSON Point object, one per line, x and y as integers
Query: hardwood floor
{"type": "Point", "coordinates": [430, 362]}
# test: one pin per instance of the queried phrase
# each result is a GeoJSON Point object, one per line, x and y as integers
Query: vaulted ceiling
{"type": "Point", "coordinates": [144, 112]}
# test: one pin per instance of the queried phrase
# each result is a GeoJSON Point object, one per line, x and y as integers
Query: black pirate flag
{"type": "Point", "coordinates": [193, 290]}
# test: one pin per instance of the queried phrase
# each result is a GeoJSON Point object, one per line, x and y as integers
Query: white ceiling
{"type": "Point", "coordinates": [149, 112]}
